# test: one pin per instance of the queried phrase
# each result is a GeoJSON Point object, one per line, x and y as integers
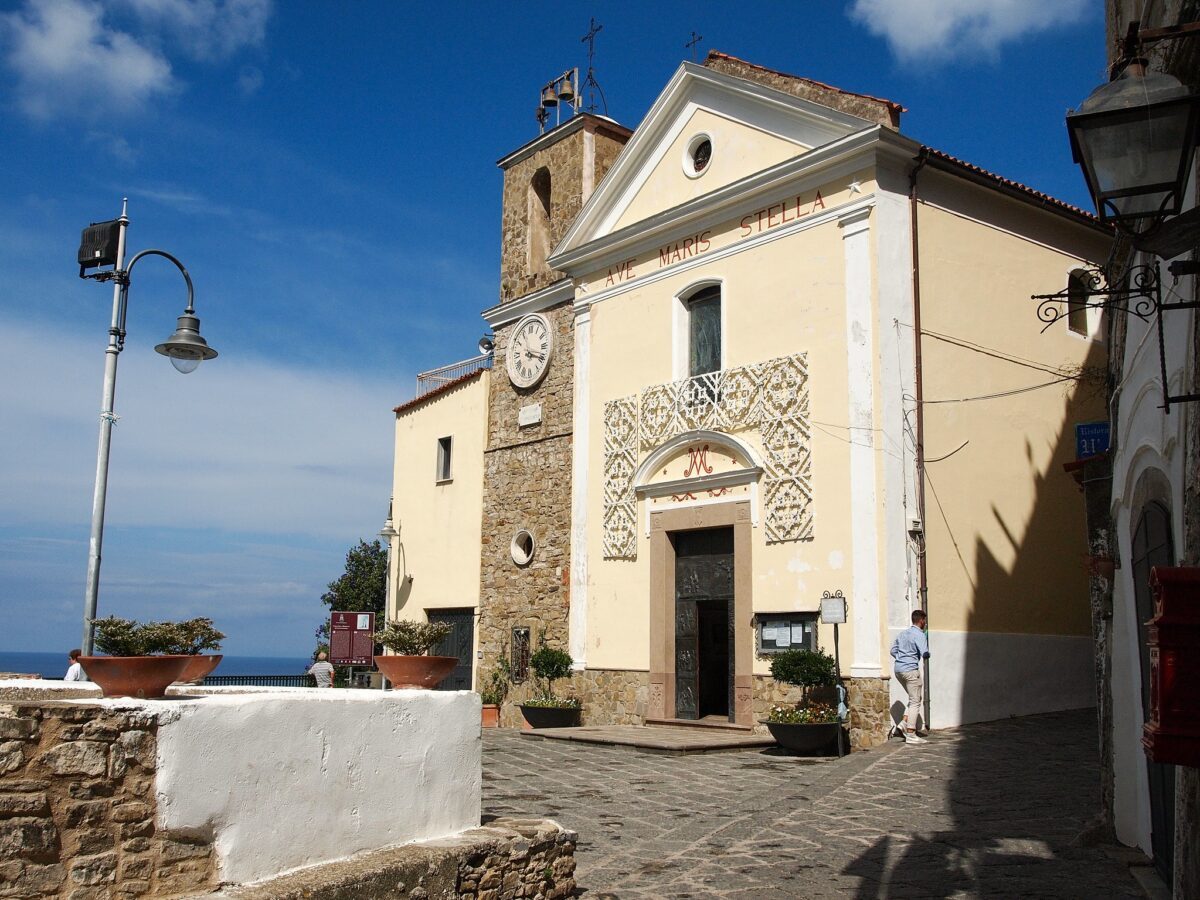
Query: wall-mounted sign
{"type": "Point", "coordinates": [351, 638]}
{"type": "Point", "coordinates": [529, 415]}
{"type": "Point", "coordinates": [1091, 439]}
{"type": "Point", "coordinates": [833, 608]}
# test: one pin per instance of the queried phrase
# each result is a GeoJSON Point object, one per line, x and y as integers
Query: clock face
{"type": "Point", "coordinates": [529, 351]}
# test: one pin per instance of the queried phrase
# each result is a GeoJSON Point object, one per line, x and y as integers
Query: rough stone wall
{"type": "Point", "coordinates": [77, 808]}
{"type": "Point", "coordinates": [566, 161]}
{"type": "Point", "coordinates": [527, 484]}
{"type": "Point", "coordinates": [873, 109]}
{"type": "Point", "coordinates": [867, 701]}
{"type": "Point", "coordinates": [612, 696]}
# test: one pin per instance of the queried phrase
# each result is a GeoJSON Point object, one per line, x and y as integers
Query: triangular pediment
{"type": "Point", "coordinates": [751, 128]}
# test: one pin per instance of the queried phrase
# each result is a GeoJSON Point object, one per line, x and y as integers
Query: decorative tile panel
{"type": "Point", "coordinates": [770, 396]}
{"type": "Point", "coordinates": [620, 463]}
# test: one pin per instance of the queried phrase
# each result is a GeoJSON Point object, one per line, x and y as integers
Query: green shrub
{"type": "Point", "coordinates": [494, 686]}
{"type": "Point", "coordinates": [806, 668]}
{"type": "Point", "coordinates": [125, 637]}
{"type": "Point", "coordinates": [412, 638]}
{"type": "Point", "coordinates": [550, 664]}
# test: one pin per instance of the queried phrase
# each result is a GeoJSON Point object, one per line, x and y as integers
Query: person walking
{"type": "Point", "coordinates": [910, 648]}
{"type": "Point", "coordinates": [322, 670]}
{"type": "Point", "coordinates": [75, 670]}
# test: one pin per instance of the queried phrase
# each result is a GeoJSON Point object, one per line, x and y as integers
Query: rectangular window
{"type": "Point", "coordinates": [443, 458]}
{"type": "Point", "coordinates": [519, 662]}
{"type": "Point", "coordinates": [704, 332]}
{"type": "Point", "coordinates": [786, 631]}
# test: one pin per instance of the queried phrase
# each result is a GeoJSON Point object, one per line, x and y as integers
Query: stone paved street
{"type": "Point", "coordinates": [985, 810]}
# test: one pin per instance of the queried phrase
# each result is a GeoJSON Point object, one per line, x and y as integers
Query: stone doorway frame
{"type": "Point", "coordinates": [662, 604]}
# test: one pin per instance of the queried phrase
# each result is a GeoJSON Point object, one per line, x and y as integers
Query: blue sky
{"type": "Point", "coordinates": [326, 171]}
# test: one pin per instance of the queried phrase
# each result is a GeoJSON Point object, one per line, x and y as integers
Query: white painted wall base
{"type": "Point", "coordinates": [983, 676]}
{"type": "Point", "coordinates": [285, 779]}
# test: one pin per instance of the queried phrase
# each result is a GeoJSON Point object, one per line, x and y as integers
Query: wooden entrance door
{"type": "Point", "coordinates": [704, 659]}
{"type": "Point", "coordinates": [461, 643]}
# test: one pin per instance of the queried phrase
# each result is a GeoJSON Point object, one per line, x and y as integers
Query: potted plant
{"type": "Point", "coordinates": [814, 722]}
{"type": "Point", "coordinates": [493, 689]}
{"type": "Point", "coordinates": [144, 658]}
{"type": "Point", "coordinates": [192, 638]}
{"type": "Point", "coordinates": [410, 666]}
{"type": "Point", "coordinates": [804, 728]}
{"type": "Point", "coordinates": [547, 711]}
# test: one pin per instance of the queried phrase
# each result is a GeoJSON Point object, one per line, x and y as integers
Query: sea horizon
{"type": "Point", "coordinates": [54, 664]}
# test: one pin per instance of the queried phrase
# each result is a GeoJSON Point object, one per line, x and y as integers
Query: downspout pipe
{"type": "Point", "coordinates": [921, 159]}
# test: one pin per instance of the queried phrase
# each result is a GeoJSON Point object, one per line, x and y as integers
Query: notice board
{"type": "Point", "coordinates": [351, 638]}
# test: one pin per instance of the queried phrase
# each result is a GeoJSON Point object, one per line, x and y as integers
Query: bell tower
{"type": "Point", "coordinates": [526, 532]}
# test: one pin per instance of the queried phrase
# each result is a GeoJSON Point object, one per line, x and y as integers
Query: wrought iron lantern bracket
{"type": "Point", "coordinates": [1138, 293]}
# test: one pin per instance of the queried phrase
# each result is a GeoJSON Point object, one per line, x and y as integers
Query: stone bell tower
{"type": "Point", "coordinates": [526, 540]}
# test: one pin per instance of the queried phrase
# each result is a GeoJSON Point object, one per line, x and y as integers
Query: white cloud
{"type": "Point", "coordinates": [67, 61]}
{"type": "Point", "coordinates": [938, 30]}
{"type": "Point", "coordinates": [250, 80]}
{"type": "Point", "coordinates": [207, 29]}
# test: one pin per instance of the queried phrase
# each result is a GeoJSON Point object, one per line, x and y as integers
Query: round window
{"type": "Point", "coordinates": [522, 547]}
{"type": "Point", "coordinates": [698, 156]}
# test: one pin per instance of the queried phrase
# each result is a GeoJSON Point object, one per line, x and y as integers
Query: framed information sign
{"type": "Point", "coordinates": [351, 638]}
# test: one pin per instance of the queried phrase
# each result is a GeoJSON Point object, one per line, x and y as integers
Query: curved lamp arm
{"type": "Point", "coordinates": [163, 253]}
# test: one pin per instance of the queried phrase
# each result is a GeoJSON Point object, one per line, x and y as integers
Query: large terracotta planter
{"type": "Point", "coordinates": [551, 716]}
{"type": "Point", "coordinates": [415, 671]}
{"type": "Point", "coordinates": [198, 667]}
{"type": "Point", "coordinates": [805, 738]}
{"type": "Point", "coordinates": [146, 677]}
{"type": "Point", "coordinates": [491, 715]}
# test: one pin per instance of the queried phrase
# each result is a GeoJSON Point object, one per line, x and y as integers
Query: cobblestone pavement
{"type": "Point", "coordinates": [984, 810]}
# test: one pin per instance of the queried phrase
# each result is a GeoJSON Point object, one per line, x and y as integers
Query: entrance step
{"type": "Point", "coordinates": [706, 724]}
{"type": "Point", "coordinates": [657, 738]}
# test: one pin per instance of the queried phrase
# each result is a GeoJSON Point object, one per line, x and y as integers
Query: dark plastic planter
{"type": "Point", "coordinates": [551, 716]}
{"type": "Point", "coordinates": [805, 738]}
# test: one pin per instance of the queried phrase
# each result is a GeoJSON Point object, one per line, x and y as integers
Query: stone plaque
{"type": "Point", "coordinates": [529, 415]}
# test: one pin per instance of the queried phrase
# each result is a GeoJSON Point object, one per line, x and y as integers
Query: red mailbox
{"type": "Point", "coordinates": [1173, 733]}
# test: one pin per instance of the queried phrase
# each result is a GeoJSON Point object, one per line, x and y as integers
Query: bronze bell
{"type": "Point", "coordinates": [566, 93]}
{"type": "Point", "coordinates": [548, 98]}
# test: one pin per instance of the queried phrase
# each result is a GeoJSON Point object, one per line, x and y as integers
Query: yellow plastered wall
{"type": "Point", "coordinates": [1006, 540]}
{"type": "Point", "coordinates": [782, 297]}
{"type": "Point", "coordinates": [738, 151]}
{"type": "Point", "coordinates": [439, 522]}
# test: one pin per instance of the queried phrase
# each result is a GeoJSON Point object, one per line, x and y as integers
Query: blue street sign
{"type": "Point", "coordinates": [1091, 439]}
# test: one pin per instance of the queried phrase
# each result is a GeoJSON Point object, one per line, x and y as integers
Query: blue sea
{"type": "Point", "coordinates": [54, 665]}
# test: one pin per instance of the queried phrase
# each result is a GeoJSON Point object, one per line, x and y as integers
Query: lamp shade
{"type": "Point", "coordinates": [185, 348]}
{"type": "Point", "coordinates": [1134, 139]}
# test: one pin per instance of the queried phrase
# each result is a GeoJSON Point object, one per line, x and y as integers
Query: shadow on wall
{"type": "Point", "coordinates": [988, 670]}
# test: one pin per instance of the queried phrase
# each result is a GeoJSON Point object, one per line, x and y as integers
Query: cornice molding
{"type": "Point", "coordinates": [511, 310]}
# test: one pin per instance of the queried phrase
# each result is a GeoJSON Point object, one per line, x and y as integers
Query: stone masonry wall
{"type": "Point", "coordinates": [566, 161]}
{"type": "Point", "coordinates": [867, 701]}
{"type": "Point", "coordinates": [527, 484]}
{"type": "Point", "coordinates": [77, 808]}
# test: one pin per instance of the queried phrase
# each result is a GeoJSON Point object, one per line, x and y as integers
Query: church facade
{"type": "Point", "coordinates": [764, 350]}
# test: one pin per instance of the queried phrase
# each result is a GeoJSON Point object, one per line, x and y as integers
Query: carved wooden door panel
{"type": "Point", "coordinates": [703, 593]}
{"type": "Point", "coordinates": [461, 643]}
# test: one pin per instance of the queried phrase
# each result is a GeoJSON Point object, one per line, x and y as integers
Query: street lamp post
{"type": "Point", "coordinates": [104, 244]}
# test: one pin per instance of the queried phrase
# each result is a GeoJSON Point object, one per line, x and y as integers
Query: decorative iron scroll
{"type": "Point", "coordinates": [771, 396]}
{"type": "Point", "coordinates": [620, 463]}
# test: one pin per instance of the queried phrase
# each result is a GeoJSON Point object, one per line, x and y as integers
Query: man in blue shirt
{"type": "Point", "coordinates": [908, 650]}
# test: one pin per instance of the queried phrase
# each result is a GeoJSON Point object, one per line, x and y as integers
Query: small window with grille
{"type": "Point", "coordinates": [520, 654]}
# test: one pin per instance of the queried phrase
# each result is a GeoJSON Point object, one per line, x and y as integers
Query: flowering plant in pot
{"type": "Point", "coordinates": [547, 711]}
{"type": "Point", "coordinates": [493, 688]}
{"type": "Point", "coordinates": [144, 657]}
{"type": "Point", "coordinates": [409, 665]}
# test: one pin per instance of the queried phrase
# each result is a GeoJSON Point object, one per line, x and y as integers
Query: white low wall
{"type": "Point", "coordinates": [289, 779]}
{"type": "Point", "coordinates": [984, 676]}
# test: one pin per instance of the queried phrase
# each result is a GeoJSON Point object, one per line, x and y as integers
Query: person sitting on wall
{"type": "Point", "coordinates": [75, 671]}
{"type": "Point", "coordinates": [908, 650]}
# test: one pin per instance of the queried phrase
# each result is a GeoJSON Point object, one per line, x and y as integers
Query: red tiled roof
{"type": "Point", "coordinates": [1000, 180]}
{"type": "Point", "coordinates": [437, 391]}
{"type": "Point", "coordinates": [891, 104]}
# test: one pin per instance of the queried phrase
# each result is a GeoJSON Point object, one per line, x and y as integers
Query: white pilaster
{"type": "Point", "coordinates": [860, 362]}
{"type": "Point", "coordinates": [580, 446]}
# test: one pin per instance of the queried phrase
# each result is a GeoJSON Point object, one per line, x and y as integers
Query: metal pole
{"type": "Point", "coordinates": [116, 339]}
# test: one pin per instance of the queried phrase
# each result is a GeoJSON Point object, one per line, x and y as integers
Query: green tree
{"type": "Point", "coordinates": [361, 588]}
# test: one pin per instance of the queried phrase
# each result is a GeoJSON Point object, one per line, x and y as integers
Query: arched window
{"type": "Point", "coordinates": [704, 330]}
{"type": "Point", "coordinates": [539, 221]}
{"type": "Point", "coordinates": [1077, 311]}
